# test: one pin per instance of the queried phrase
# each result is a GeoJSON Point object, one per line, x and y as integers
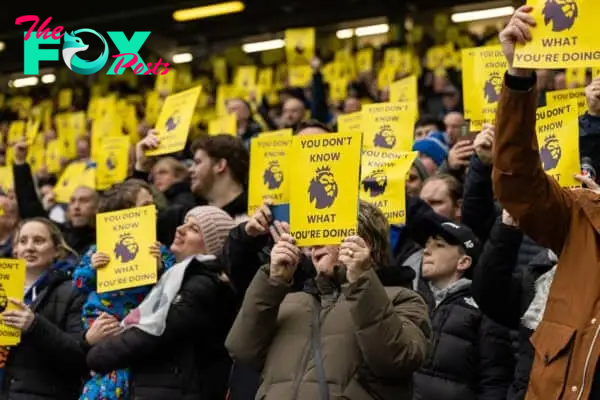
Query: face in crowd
{"type": "Point", "coordinates": [189, 240]}
{"type": "Point", "coordinates": [9, 217]}
{"type": "Point", "coordinates": [454, 122]}
{"type": "Point", "coordinates": [442, 261]}
{"type": "Point", "coordinates": [83, 206]}
{"type": "Point", "coordinates": [37, 244]}
{"type": "Point", "coordinates": [444, 196]}
{"type": "Point", "coordinates": [239, 108]}
{"type": "Point", "coordinates": [167, 172]}
{"type": "Point", "coordinates": [204, 171]}
{"type": "Point", "coordinates": [293, 112]}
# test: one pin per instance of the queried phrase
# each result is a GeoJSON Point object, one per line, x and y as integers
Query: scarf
{"type": "Point", "coordinates": [534, 314]}
{"type": "Point", "coordinates": [151, 315]}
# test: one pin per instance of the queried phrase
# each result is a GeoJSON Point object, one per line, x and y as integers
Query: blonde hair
{"type": "Point", "coordinates": [374, 229]}
{"type": "Point", "coordinates": [178, 168]}
{"type": "Point", "coordinates": [64, 250]}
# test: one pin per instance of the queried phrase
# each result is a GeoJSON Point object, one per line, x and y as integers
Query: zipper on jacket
{"type": "Point", "coordinates": [587, 363]}
{"type": "Point", "coordinates": [306, 353]}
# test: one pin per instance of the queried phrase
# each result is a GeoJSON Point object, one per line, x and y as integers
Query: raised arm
{"type": "Point", "coordinates": [534, 199]}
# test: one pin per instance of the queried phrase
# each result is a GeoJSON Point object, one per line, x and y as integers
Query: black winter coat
{"type": "Point", "coordinates": [504, 292]}
{"type": "Point", "coordinates": [189, 360]}
{"type": "Point", "coordinates": [471, 356]}
{"type": "Point", "coordinates": [49, 363]}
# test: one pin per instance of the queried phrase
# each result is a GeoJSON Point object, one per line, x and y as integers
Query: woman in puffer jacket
{"type": "Point", "coordinates": [350, 337]}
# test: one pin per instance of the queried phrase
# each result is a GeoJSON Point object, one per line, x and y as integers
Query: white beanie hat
{"type": "Point", "coordinates": [215, 225]}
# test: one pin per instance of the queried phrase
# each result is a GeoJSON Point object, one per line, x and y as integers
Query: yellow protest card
{"type": "Point", "coordinates": [174, 121]}
{"type": "Point", "coordinates": [166, 83]}
{"type": "Point", "coordinates": [557, 129]}
{"type": "Point", "coordinates": [223, 124]}
{"type": "Point", "coordinates": [324, 193]}
{"type": "Point", "coordinates": [364, 60]}
{"type": "Point", "coordinates": [65, 99]}
{"type": "Point", "coordinates": [126, 236]}
{"type": "Point", "coordinates": [32, 130]}
{"type": "Point", "coordinates": [595, 73]}
{"type": "Point", "coordinates": [16, 131]}
{"type": "Point", "coordinates": [389, 126]}
{"type": "Point", "coordinates": [54, 152]}
{"type": "Point", "coordinates": [76, 174]}
{"type": "Point", "coordinates": [404, 90]}
{"type": "Point", "coordinates": [245, 77]}
{"type": "Point", "coordinates": [561, 96]}
{"type": "Point", "coordinates": [338, 89]}
{"type": "Point", "coordinates": [12, 285]}
{"type": "Point", "coordinates": [269, 170]}
{"type": "Point", "coordinates": [7, 182]}
{"type": "Point", "coordinates": [299, 45]}
{"type": "Point", "coordinates": [112, 168]}
{"type": "Point", "coordinates": [566, 35]}
{"type": "Point", "coordinates": [300, 75]}
{"type": "Point", "coordinates": [386, 76]}
{"type": "Point", "coordinates": [383, 181]}
{"type": "Point", "coordinates": [219, 65]}
{"type": "Point", "coordinates": [482, 75]}
{"type": "Point", "coordinates": [265, 78]}
{"type": "Point", "coordinates": [350, 122]}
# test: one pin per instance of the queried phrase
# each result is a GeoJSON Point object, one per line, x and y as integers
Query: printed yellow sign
{"type": "Point", "coordinates": [562, 96]}
{"type": "Point", "coordinates": [269, 170]}
{"type": "Point", "coordinates": [76, 174]}
{"type": "Point", "coordinates": [299, 45]}
{"type": "Point", "coordinates": [383, 180]}
{"type": "Point", "coordinates": [404, 90]}
{"type": "Point", "coordinates": [115, 159]}
{"type": "Point", "coordinates": [389, 126]}
{"type": "Point", "coordinates": [324, 193]}
{"type": "Point", "coordinates": [223, 124]}
{"type": "Point", "coordinates": [12, 285]}
{"type": "Point", "coordinates": [558, 139]}
{"type": "Point", "coordinates": [126, 236]}
{"type": "Point", "coordinates": [482, 71]}
{"type": "Point", "coordinates": [350, 122]}
{"type": "Point", "coordinates": [565, 36]}
{"type": "Point", "coordinates": [173, 124]}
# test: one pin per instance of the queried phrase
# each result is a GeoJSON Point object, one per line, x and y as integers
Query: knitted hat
{"type": "Point", "coordinates": [433, 147]}
{"type": "Point", "coordinates": [215, 225]}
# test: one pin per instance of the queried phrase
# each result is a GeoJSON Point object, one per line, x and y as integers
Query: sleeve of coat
{"type": "Point", "coordinates": [256, 323]}
{"type": "Point", "coordinates": [392, 334]}
{"type": "Point", "coordinates": [496, 288]}
{"type": "Point", "coordinates": [66, 346]}
{"type": "Point", "coordinates": [191, 315]}
{"type": "Point", "coordinates": [478, 208]}
{"type": "Point", "coordinates": [30, 205]}
{"type": "Point", "coordinates": [496, 360]}
{"type": "Point", "coordinates": [541, 206]}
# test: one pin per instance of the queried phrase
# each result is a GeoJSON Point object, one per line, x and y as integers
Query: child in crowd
{"type": "Point", "coordinates": [115, 385]}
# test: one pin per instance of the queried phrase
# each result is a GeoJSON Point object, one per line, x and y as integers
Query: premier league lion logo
{"type": "Point", "coordinates": [172, 123]}
{"type": "Point", "coordinates": [111, 162]}
{"type": "Point", "coordinates": [273, 175]}
{"type": "Point", "coordinates": [126, 248]}
{"type": "Point", "coordinates": [323, 188]}
{"type": "Point", "coordinates": [550, 153]}
{"type": "Point", "coordinates": [492, 88]}
{"type": "Point", "coordinates": [3, 299]}
{"type": "Point", "coordinates": [561, 13]}
{"type": "Point", "coordinates": [375, 183]}
{"type": "Point", "coordinates": [385, 138]}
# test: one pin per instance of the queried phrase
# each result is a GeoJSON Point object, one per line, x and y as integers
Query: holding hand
{"type": "Point", "coordinates": [260, 221]}
{"type": "Point", "coordinates": [285, 257]}
{"type": "Point", "coordinates": [22, 318]}
{"type": "Point", "coordinates": [483, 144]}
{"type": "Point", "coordinates": [150, 142]}
{"type": "Point", "coordinates": [103, 327]}
{"type": "Point", "coordinates": [355, 255]}
{"type": "Point", "coordinates": [155, 252]}
{"type": "Point", "coordinates": [459, 154]}
{"type": "Point", "coordinates": [100, 260]}
{"type": "Point", "coordinates": [20, 152]}
{"type": "Point", "coordinates": [517, 31]}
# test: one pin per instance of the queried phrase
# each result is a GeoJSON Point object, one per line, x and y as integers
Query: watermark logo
{"type": "Point", "coordinates": [128, 56]}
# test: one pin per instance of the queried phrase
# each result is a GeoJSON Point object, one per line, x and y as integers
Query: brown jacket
{"type": "Point", "coordinates": [371, 339]}
{"type": "Point", "coordinates": [566, 342]}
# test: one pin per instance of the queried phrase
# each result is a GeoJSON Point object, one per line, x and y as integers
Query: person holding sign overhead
{"type": "Point", "coordinates": [565, 363]}
{"type": "Point", "coordinates": [348, 336]}
{"type": "Point", "coordinates": [49, 362]}
{"type": "Point", "coordinates": [102, 311]}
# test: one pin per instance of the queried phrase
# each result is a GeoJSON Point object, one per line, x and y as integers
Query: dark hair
{"type": "Point", "coordinates": [122, 195]}
{"type": "Point", "coordinates": [228, 148]}
{"type": "Point", "coordinates": [455, 187]}
{"type": "Point", "coordinates": [312, 123]}
{"type": "Point", "coordinates": [427, 119]}
{"type": "Point", "coordinates": [373, 227]}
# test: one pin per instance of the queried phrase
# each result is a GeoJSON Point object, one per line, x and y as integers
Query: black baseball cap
{"type": "Point", "coordinates": [455, 234]}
